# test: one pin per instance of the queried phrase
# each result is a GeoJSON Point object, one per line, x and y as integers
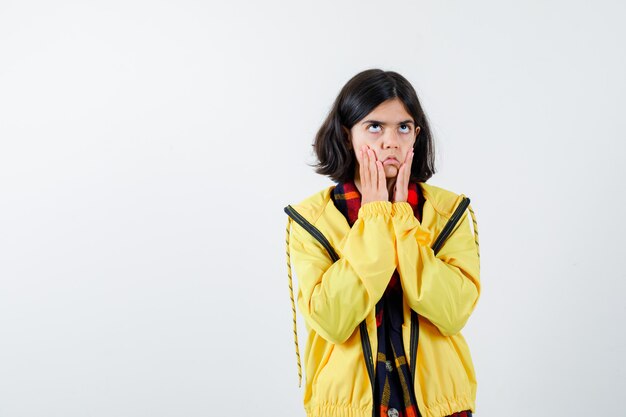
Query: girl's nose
{"type": "Point", "coordinates": [391, 139]}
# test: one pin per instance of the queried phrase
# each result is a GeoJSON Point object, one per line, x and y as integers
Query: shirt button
{"type": "Point", "coordinates": [389, 367]}
{"type": "Point", "coordinates": [392, 412]}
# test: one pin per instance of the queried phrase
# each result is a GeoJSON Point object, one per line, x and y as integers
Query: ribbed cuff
{"type": "Point", "coordinates": [401, 209]}
{"type": "Point", "coordinates": [375, 208]}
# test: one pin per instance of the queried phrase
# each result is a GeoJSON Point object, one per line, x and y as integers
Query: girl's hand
{"type": "Point", "coordinates": [401, 188]}
{"type": "Point", "coordinates": [372, 176]}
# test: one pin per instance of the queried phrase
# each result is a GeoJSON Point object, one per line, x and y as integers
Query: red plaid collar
{"type": "Point", "coordinates": [347, 198]}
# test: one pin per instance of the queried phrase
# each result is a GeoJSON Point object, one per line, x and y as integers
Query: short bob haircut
{"type": "Point", "coordinates": [359, 97]}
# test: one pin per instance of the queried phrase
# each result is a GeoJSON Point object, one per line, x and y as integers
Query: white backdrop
{"type": "Point", "coordinates": [148, 149]}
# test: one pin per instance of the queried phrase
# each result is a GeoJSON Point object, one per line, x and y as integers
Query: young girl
{"type": "Point", "coordinates": [383, 309]}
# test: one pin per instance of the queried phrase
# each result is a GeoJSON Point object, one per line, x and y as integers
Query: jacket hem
{"type": "Point", "coordinates": [441, 409]}
{"type": "Point", "coordinates": [448, 407]}
{"type": "Point", "coordinates": [337, 410]}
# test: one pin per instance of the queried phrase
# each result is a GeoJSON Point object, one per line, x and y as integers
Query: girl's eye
{"type": "Point", "coordinates": [370, 127]}
{"type": "Point", "coordinates": [408, 129]}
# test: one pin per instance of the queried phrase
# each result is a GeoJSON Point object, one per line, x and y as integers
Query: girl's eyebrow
{"type": "Point", "coordinates": [404, 122]}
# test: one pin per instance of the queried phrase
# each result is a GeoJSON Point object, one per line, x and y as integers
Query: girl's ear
{"type": "Point", "coordinates": [348, 138]}
{"type": "Point", "coordinates": [417, 131]}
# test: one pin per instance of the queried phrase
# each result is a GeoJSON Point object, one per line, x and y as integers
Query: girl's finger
{"type": "Point", "coordinates": [407, 174]}
{"type": "Point", "coordinates": [402, 178]}
{"type": "Point", "coordinates": [372, 167]}
{"type": "Point", "coordinates": [366, 175]}
{"type": "Point", "coordinates": [405, 170]}
{"type": "Point", "coordinates": [382, 180]}
{"type": "Point", "coordinates": [362, 168]}
{"type": "Point", "coordinates": [402, 173]}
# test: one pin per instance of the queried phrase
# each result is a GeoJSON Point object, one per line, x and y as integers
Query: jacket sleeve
{"type": "Point", "coordinates": [443, 288]}
{"type": "Point", "coordinates": [334, 297]}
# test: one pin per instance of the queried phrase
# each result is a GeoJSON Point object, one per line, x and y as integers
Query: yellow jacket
{"type": "Point", "coordinates": [342, 272]}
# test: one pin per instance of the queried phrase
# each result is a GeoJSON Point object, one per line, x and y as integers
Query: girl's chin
{"type": "Point", "coordinates": [391, 170]}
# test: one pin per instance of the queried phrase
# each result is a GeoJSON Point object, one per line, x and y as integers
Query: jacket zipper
{"type": "Point", "coordinates": [414, 339]}
{"type": "Point", "coordinates": [369, 360]}
{"type": "Point", "coordinates": [450, 224]}
{"type": "Point", "coordinates": [365, 341]}
{"type": "Point", "coordinates": [312, 230]}
{"type": "Point", "coordinates": [415, 332]}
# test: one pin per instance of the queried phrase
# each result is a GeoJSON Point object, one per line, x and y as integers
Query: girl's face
{"type": "Point", "coordinates": [389, 130]}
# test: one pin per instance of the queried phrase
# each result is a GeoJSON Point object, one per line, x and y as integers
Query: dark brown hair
{"type": "Point", "coordinates": [358, 97]}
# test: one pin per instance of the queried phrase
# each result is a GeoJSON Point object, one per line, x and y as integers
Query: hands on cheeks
{"type": "Point", "coordinates": [374, 181]}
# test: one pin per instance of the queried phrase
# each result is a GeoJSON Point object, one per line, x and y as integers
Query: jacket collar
{"type": "Point", "coordinates": [438, 201]}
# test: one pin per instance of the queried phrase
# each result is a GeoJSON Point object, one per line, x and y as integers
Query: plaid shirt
{"type": "Point", "coordinates": [393, 389]}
